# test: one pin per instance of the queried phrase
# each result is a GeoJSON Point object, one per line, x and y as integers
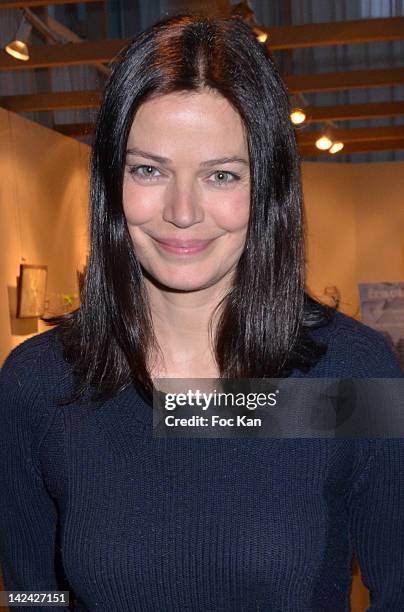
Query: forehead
{"type": "Point", "coordinates": [180, 116]}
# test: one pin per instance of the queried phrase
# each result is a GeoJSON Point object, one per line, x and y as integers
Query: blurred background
{"type": "Point", "coordinates": [340, 59]}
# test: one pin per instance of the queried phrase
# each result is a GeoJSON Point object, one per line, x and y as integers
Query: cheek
{"type": "Point", "coordinates": [232, 212]}
{"type": "Point", "coordinates": [139, 207]}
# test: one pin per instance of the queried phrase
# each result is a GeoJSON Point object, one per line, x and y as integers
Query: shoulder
{"type": "Point", "coordinates": [29, 357]}
{"type": "Point", "coordinates": [32, 348]}
{"type": "Point", "coordinates": [353, 350]}
{"type": "Point", "coordinates": [30, 374]}
{"type": "Point", "coordinates": [27, 410]}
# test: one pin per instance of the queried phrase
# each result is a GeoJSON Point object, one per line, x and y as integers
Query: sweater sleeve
{"type": "Point", "coordinates": [376, 514]}
{"type": "Point", "coordinates": [27, 512]}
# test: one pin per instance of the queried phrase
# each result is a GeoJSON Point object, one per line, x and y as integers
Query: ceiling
{"type": "Point", "coordinates": [345, 72]}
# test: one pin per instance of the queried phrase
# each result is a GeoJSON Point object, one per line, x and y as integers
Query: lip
{"type": "Point", "coordinates": [183, 247]}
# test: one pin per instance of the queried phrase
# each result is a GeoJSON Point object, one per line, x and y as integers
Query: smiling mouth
{"type": "Point", "coordinates": [183, 247]}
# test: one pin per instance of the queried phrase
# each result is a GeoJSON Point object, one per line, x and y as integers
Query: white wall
{"type": "Point", "coordinates": [355, 216]}
{"type": "Point", "coordinates": [43, 218]}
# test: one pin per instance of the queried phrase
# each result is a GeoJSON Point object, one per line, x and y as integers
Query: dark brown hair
{"type": "Point", "coordinates": [264, 319]}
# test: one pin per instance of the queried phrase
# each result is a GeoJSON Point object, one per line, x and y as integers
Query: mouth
{"type": "Point", "coordinates": [183, 247]}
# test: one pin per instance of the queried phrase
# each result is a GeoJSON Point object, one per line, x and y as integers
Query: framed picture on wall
{"type": "Point", "coordinates": [31, 291]}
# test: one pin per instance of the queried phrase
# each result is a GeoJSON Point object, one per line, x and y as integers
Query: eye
{"type": "Point", "coordinates": [144, 172]}
{"type": "Point", "coordinates": [224, 178]}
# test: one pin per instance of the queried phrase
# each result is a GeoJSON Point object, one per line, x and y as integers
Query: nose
{"type": "Point", "coordinates": [183, 206]}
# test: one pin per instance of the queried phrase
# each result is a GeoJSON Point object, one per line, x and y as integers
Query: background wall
{"type": "Point", "coordinates": [355, 226]}
{"type": "Point", "coordinates": [331, 228]}
{"type": "Point", "coordinates": [43, 216]}
{"type": "Point", "coordinates": [380, 222]}
{"type": "Point", "coordinates": [355, 221]}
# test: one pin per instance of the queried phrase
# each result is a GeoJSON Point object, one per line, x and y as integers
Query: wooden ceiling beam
{"type": "Point", "coordinates": [335, 33]}
{"type": "Point", "coordinates": [98, 52]}
{"type": "Point", "coordinates": [292, 36]}
{"type": "Point", "coordinates": [52, 101]}
{"type": "Point", "coordinates": [347, 112]}
{"type": "Point", "coordinates": [67, 54]}
{"type": "Point", "coordinates": [355, 147]}
{"type": "Point", "coordinates": [281, 37]}
{"type": "Point", "coordinates": [17, 4]}
{"type": "Point", "coordinates": [351, 79]}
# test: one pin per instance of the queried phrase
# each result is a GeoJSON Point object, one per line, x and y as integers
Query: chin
{"type": "Point", "coordinates": [182, 282]}
{"type": "Point", "coordinates": [186, 285]}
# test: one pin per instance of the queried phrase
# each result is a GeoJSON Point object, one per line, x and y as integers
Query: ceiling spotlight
{"type": "Point", "coordinates": [336, 146]}
{"type": "Point", "coordinates": [297, 116]}
{"type": "Point", "coordinates": [324, 142]}
{"type": "Point", "coordinates": [262, 36]}
{"type": "Point", "coordinates": [329, 142]}
{"type": "Point", "coordinates": [18, 48]}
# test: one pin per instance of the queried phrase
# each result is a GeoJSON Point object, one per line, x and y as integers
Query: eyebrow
{"type": "Point", "coordinates": [205, 164]}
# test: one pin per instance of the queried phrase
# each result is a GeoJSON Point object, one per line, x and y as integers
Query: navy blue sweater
{"type": "Point", "coordinates": [129, 522]}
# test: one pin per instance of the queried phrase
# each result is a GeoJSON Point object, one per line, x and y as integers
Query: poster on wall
{"type": "Point", "coordinates": [31, 291]}
{"type": "Point", "coordinates": [382, 307]}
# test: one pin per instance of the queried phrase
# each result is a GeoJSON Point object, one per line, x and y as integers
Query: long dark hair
{"type": "Point", "coordinates": [264, 319]}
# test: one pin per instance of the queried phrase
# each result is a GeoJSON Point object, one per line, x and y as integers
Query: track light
{"type": "Point", "coordinates": [262, 36]}
{"type": "Point", "coordinates": [18, 48]}
{"type": "Point", "coordinates": [336, 146]}
{"type": "Point", "coordinates": [297, 116]}
{"type": "Point", "coordinates": [297, 104]}
{"type": "Point", "coordinates": [327, 141]}
{"type": "Point", "coordinates": [324, 142]}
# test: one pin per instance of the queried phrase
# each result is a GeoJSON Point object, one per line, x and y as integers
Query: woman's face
{"type": "Point", "coordinates": [186, 191]}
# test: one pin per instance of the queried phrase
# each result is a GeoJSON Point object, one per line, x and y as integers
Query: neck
{"type": "Point", "coordinates": [181, 325]}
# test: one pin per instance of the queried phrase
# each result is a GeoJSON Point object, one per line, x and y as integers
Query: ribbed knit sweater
{"type": "Point", "coordinates": [91, 502]}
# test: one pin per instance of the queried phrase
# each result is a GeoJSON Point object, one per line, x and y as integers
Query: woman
{"type": "Point", "coordinates": [195, 271]}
